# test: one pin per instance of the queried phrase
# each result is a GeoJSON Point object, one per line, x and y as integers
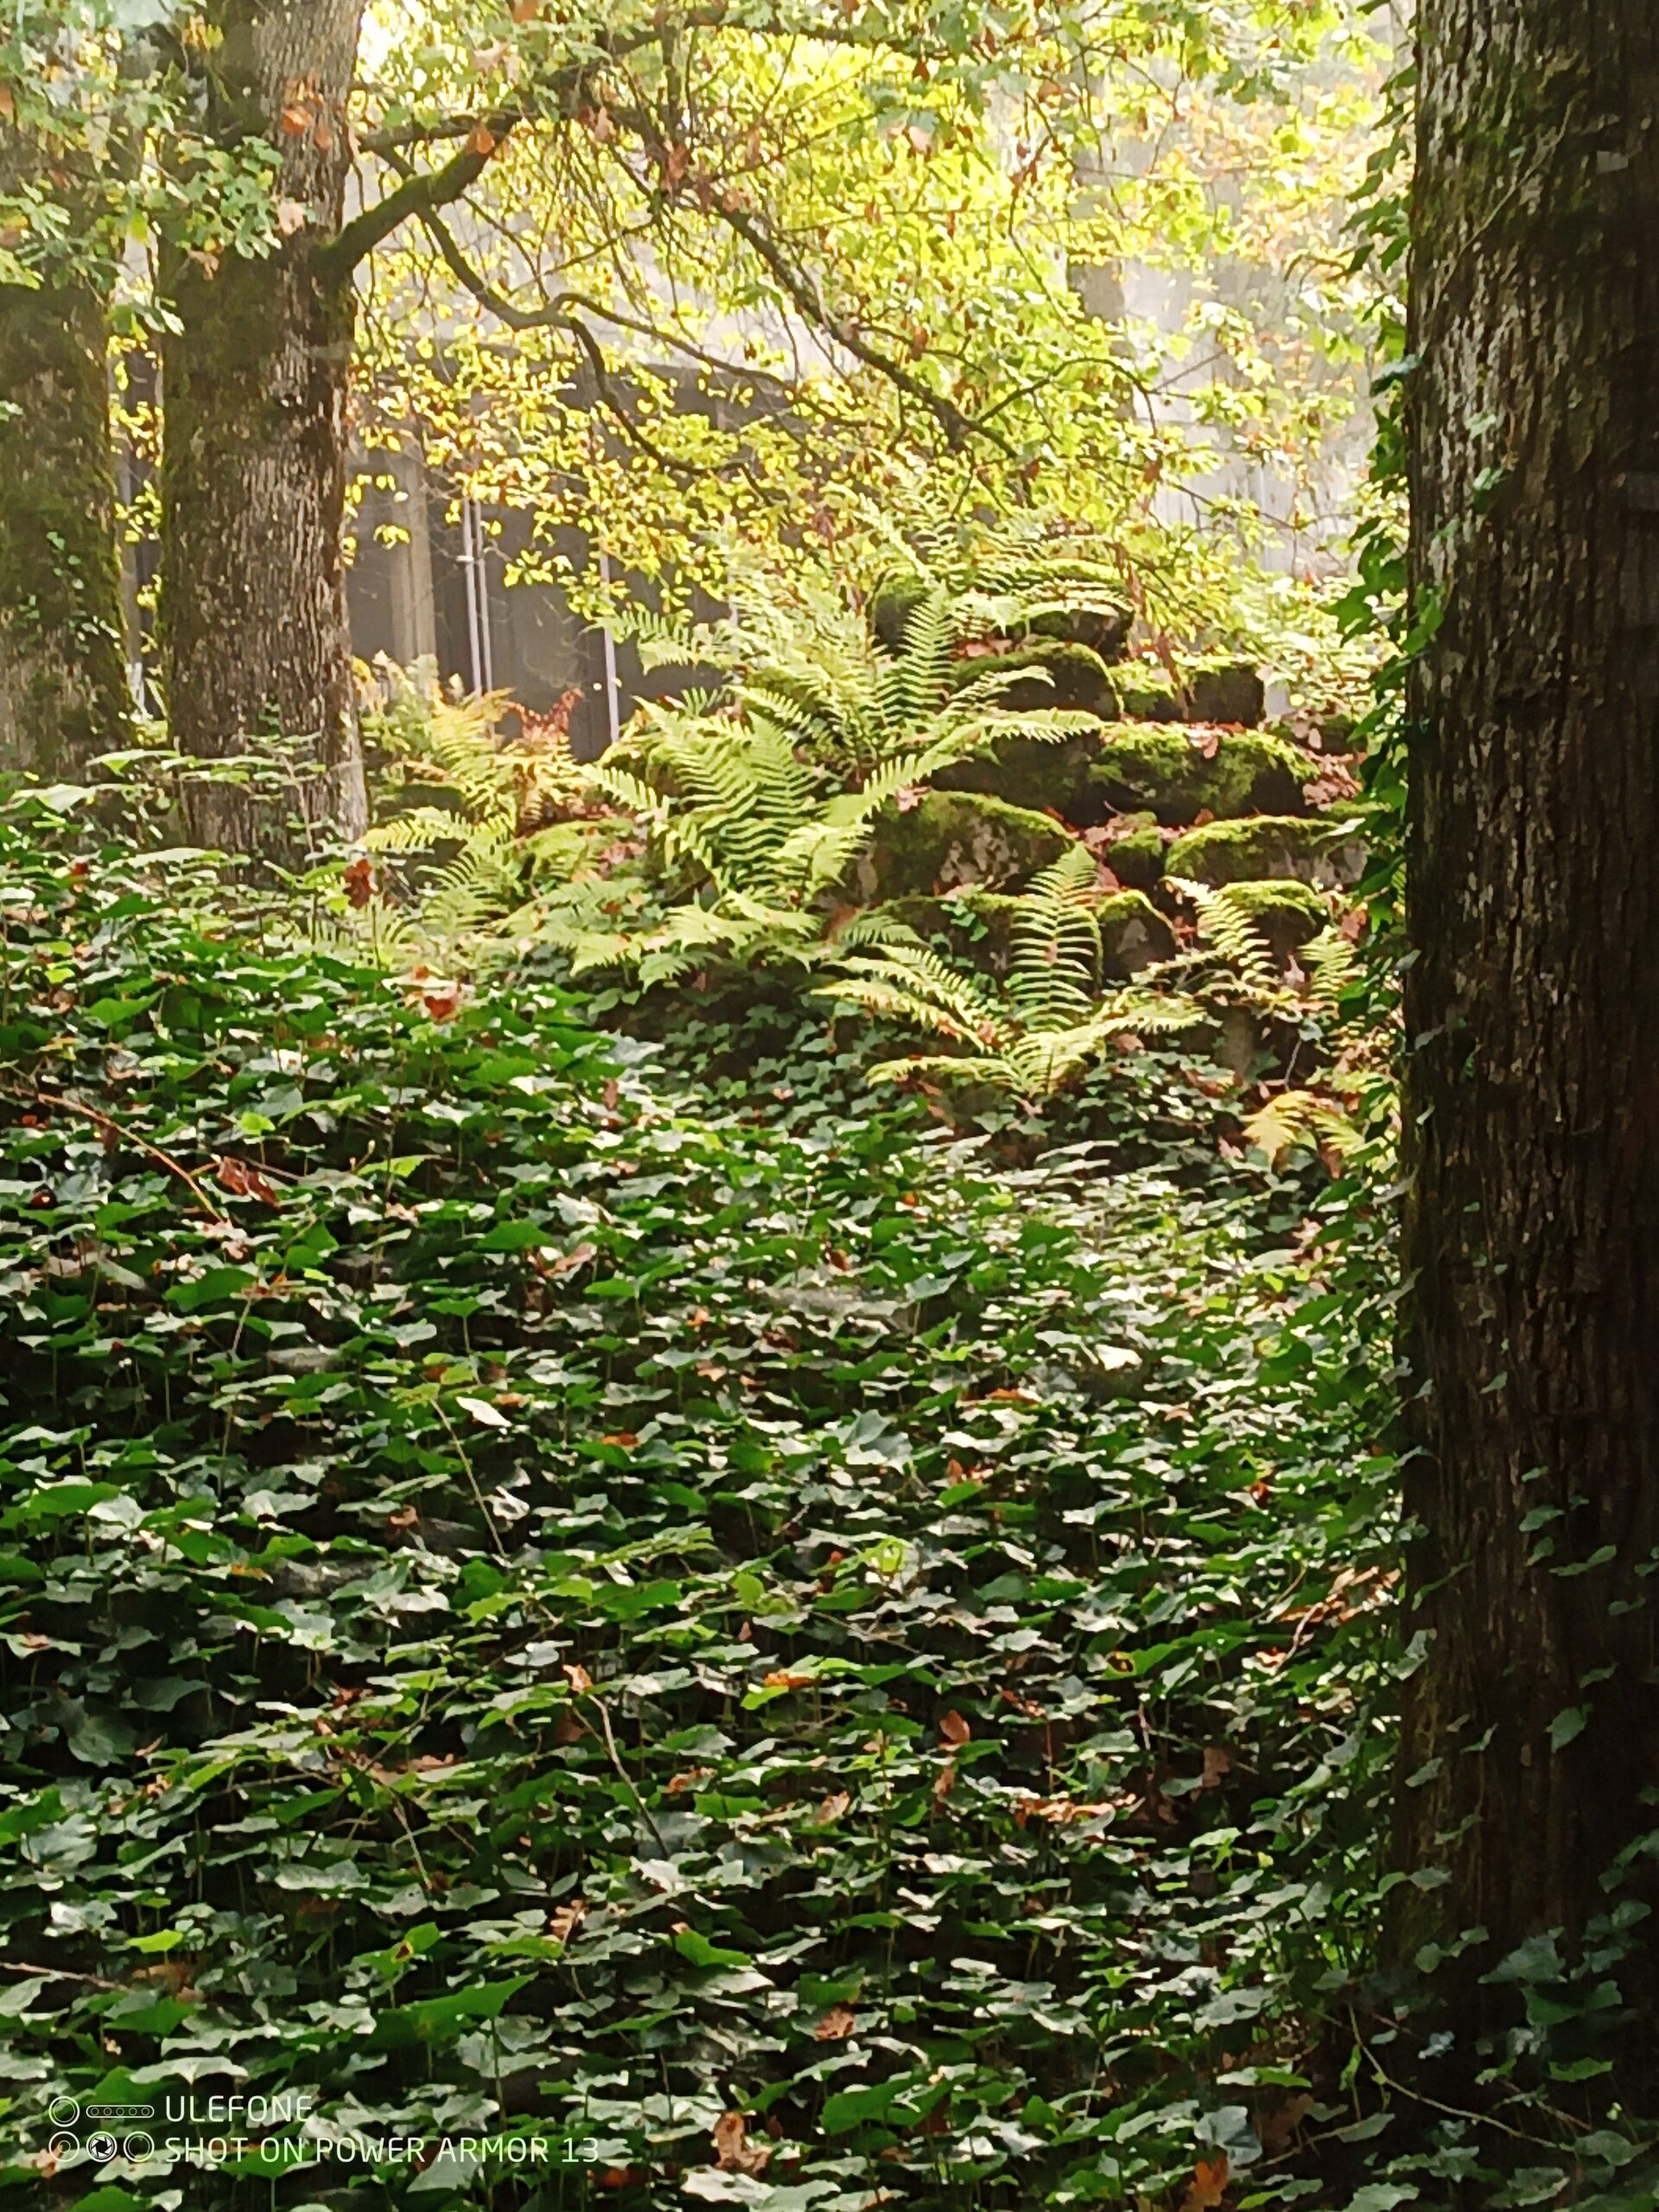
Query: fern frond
{"type": "Point", "coordinates": [910, 685]}
{"type": "Point", "coordinates": [1293, 1118]}
{"type": "Point", "coordinates": [1233, 932]}
{"type": "Point", "coordinates": [873, 929]}
{"type": "Point", "coordinates": [968, 1067]}
{"type": "Point", "coordinates": [416, 831]}
{"type": "Point", "coordinates": [1331, 962]}
{"type": "Point", "coordinates": [1055, 948]}
{"type": "Point", "coordinates": [912, 983]}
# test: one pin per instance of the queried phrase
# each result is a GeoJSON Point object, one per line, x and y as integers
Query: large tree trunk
{"type": "Point", "coordinates": [254, 642]}
{"type": "Point", "coordinates": [63, 683]}
{"type": "Point", "coordinates": [1531, 1725]}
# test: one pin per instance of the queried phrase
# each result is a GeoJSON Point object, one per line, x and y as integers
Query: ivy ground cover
{"type": "Point", "coordinates": [640, 1648]}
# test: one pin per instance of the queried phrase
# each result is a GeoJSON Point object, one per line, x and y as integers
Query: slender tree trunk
{"type": "Point", "coordinates": [63, 684]}
{"type": "Point", "coordinates": [1531, 1725]}
{"type": "Point", "coordinates": [255, 432]}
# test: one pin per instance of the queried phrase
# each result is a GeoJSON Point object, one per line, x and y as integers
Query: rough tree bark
{"type": "Point", "coordinates": [253, 629]}
{"type": "Point", "coordinates": [63, 684]}
{"type": "Point", "coordinates": [1531, 1725]}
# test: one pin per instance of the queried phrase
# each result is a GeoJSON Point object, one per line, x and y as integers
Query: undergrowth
{"type": "Point", "coordinates": [727, 1631]}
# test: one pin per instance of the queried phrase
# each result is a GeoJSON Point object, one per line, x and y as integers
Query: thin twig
{"type": "Point", "coordinates": [623, 1776]}
{"type": "Point", "coordinates": [130, 1136]}
{"type": "Point", "coordinates": [58, 1973]}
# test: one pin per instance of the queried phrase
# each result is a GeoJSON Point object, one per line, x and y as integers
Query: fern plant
{"type": "Point", "coordinates": [483, 821]}
{"type": "Point", "coordinates": [1235, 958]}
{"type": "Point", "coordinates": [753, 800]}
{"type": "Point", "coordinates": [1021, 578]}
{"type": "Point", "coordinates": [751, 842]}
{"type": "Point", "coordinates": [1032, 1033]}
{"type": "Point", "coordinates": [757, 800]}
{"type": "Point", "coordinates": [801, 659]}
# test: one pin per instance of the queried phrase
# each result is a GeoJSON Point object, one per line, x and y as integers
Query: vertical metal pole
{"type": "Point", "coordinates": [482, 574]}
{"type": "Point", "coordinates": [612, 690]}
{"type": "Point", "coordinates": [468, 564]}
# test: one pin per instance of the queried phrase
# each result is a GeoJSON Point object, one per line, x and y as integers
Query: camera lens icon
{"type": "Point", "coordinates": [138, 2146]}
{"type": "Point", "coordinates": [63, 2111]}
{"type": "Point", "coordinates": [101, 2147]}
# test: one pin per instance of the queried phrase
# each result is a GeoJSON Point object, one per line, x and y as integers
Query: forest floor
{"type": "Point", "coordinates": [798, 1657]}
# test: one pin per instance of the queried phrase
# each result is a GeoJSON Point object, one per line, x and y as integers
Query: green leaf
{"type": "Point", "coordinates": [1567, 1726]}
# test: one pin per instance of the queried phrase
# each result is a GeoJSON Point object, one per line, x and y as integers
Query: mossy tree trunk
{"type": "Point", "coordinates": [253, 629]}
{"type": "Point", "coordinates": [63, 683]}
{"type": "Point", "coordinates": [1531, 1726]}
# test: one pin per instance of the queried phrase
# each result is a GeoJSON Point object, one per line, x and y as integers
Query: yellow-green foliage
{"type": "Point", "coordinates": [469, 813]}
{"type": "Point", "coordinates": [756, 802]}
{"type": "Point", "coordinates": [1232, 930]}
{"type": "Point", "coordinates": [1033, 1033]}
{"type": "Point", "coordinates": [1293, 1119]}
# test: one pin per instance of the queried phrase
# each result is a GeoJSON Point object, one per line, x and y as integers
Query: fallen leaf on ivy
{"type": "Point", "coordinates": [1208, 2185]}
{"type": "Point", "coordinates": [244, 1181]}
{"type": "Point", "coordinates": [733, 2152]}
{"type": "Point", "coordinates": [563, 1923]}
{"type": "Point", "coordinates": [1277, 2129]}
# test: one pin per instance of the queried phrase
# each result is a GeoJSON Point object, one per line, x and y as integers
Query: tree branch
{"type": "Point", "coordinates": [959, 428]}
{"type": "Point", "coordinates": [556, 316]}
{"type": "Point", "coordinates": [563, 93]}
{"type": "Point", "coordinates": [419, 195]}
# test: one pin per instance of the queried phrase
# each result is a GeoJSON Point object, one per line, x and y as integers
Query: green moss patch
{"type": "Point", "coordinates": [1309, 850]}
{"type": "Point", "coordinates": [1073, 675]}
{"type": "Point", "coordinates": [956, 837]}
{"type": "Point", "coordinates": [1160, 768]}
{"type": "Point", "coordinates": [1221, 690]}
{"type": "Point", "coordinates": [1028, 772]}
{"type": "Point", "coordinates": [1147, 693]}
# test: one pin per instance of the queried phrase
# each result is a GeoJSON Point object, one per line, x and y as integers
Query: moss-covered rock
{"type": "Point", "coordinates": [1288, 913]}
{"type": "Point", "coordinates": [1133, 934]}
{"type": "Point", "coordinates": [974, 924]}
{"type": "Point", "coordinates": [978, 925]}
{"type": "Point", "coordinates": [1147, 693]}
{"type": "Point", "coordinates": [1028, 772]}
{"type": "Point", "coordinates": [1104, 628]}
{"type": "Point", "coordinates": [1325, 729]}
{"type": "Point", "coordinates": [955, 837]}
{"type": "Point", "coordinates": [1135, 852]}
{"type": "Point", "coordinates": [1220, 691]}
{"type": "Point", "coordinates": [1307, 849]}
{"type": "Point", "coordinates": [1164, 769]}
{"type": "Point", "coordinates": [1076, 676]}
